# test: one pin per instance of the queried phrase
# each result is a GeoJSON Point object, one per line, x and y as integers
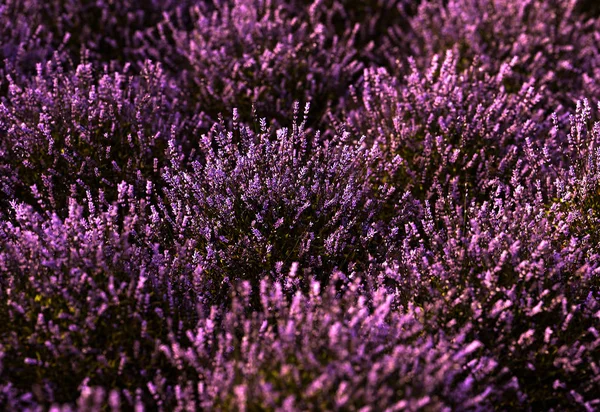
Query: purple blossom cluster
{"type": "Point", "coordinates": [299, 205]}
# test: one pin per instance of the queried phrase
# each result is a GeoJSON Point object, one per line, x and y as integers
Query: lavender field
{"type": "Point", "coordinates": [298, 205]}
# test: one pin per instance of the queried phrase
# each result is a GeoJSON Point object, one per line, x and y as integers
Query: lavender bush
{"type": "Point", "coordinates": [455, 129]}
{"type": "Point", "coordinates": [369, 22]}
{"type": "Point", "coordinates": [305, 205]}
{"type": "Point", "coordinates": [82, 130]}
{"type": "Point", "coordinates": [111, 31]}
{"type": "Point", "coordinates": [548, 41]}
{"type": "Point", "coordinates": [528, 286]}
{"type": "Point", "coordinates": [263, 53]}
{"type": "Point", "coordinates": [256, 202]}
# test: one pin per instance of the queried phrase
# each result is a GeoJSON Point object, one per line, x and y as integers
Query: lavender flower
{"type": "Point", "coordinates": [445, 130]}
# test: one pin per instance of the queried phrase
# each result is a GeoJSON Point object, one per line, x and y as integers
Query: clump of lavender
{"type": "Point", "coordinates": [549, 41]}
{"type": "Point", "coordinates": [258, 201]}
{"type": "Point", "coordinates": [325, 349]}
{"type": "Point", "coordinates": [70, 132]}
{"type": "Point", "coordinates": [446, 130]}
{"type": "Point", "coordinates": [260, 52]}
{"type": "Point", "coordinates": [101, 328]}
{"type": "Point", "coordinates": [22, 43]}
{"type": "Point", "coordinates": [110, 31]}
{"type": "Point", "coordinates": [368, 21]}
{"type": "Point", "coordinates": [83, 302]}
{"type": "Point", "coordinates": [513, 269]}
{"type": "Point", "coordinates": [575, 191]}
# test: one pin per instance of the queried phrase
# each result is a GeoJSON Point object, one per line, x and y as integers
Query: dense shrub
{"type": "Point", "coordinates": [547, 39]}
{"type": "Point", "coordinates": [458, 129]}
{"type": "Point", "coordinates": [82, 304]}
{"type": "Point", "coordinates": [370, 20]}
{"type": "Point", "coordinates": [111, 31]}
{"type": "Point", "coordinates": [513, 270]}
{"type": "Point", "coordinates": [258, 201]}
{"type": "Point", "coordinates": [576, 168]}
{"type": "Point", "coordinates": [70, 132]}
{"type": "Point", "coordinates": [326, 350]}
{"type": "Point", "coordinates": [264, 54]}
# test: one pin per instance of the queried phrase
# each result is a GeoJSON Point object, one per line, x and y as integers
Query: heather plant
{"type": "Point", "coordinates": [528, 286]}
{"type": "Point", "coordinates": [82, 302]}
{"type": "Point", "coordinates": [369, 21]}
{"type": "Point", "coordinates": [549, 41]}
{"type": "Point", "coordinates": [110, 31]}
{"type": "Point", "coordinates": [258, 201]}
{"type": "Point", "coordinates": [262, 53]}
{"type": "Point", "coordinates": [447, 130]}
{"type": "Point", "coordinates": [325, 350]}
{"type": "Point", "coordinates": [21, 42]}
{"type": "Point", "coordinates": [69, 132]}
{"type": "Point", "coordinates": [319, 350]}
{"type": "Point", "coordinates": [576, 171]}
